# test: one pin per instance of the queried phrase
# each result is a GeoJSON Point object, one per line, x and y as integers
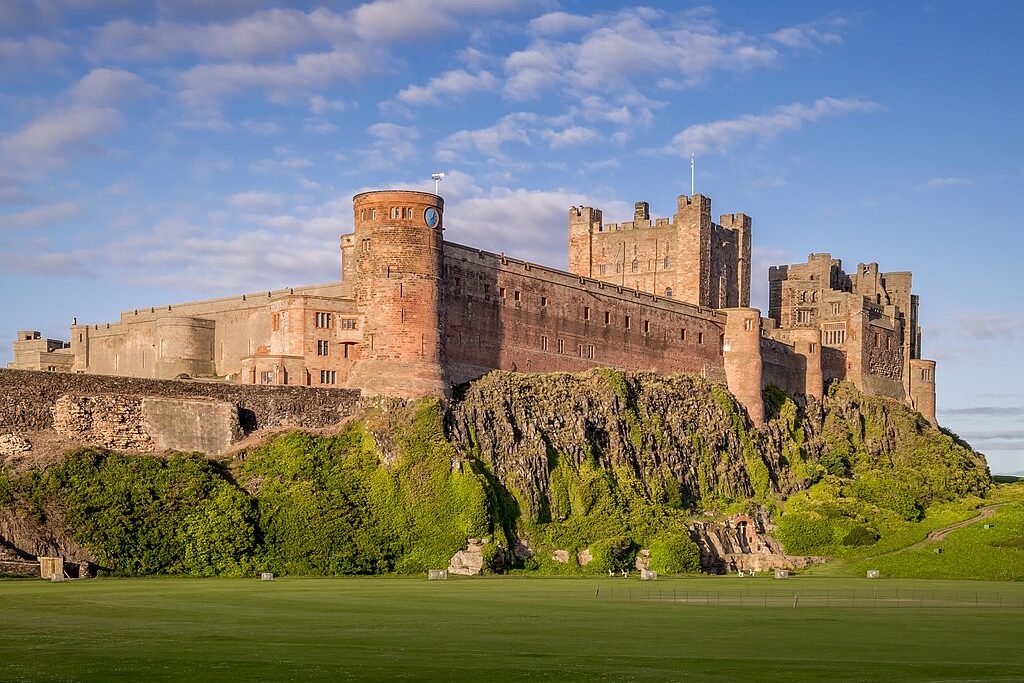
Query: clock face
{"type": "Point", "coordinates": [431, 217]}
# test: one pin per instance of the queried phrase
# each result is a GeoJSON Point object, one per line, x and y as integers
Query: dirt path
{"type": "Point", "coordinates": [940, 534]}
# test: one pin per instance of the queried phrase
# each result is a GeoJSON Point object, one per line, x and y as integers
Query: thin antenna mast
{"type": "Point", "coordinates": [692, 174]}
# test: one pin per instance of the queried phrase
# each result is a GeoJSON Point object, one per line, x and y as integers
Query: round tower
{"type": "Point", "coordinates": [807, 345]}
{"type": "Point", "coordinates": [743, 366]}
{"type": "Point", "coordinates": [398, 254]}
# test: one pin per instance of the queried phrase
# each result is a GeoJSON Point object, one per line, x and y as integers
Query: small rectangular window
{"type": "Point", "coordinates": [275, 322]}
{"type": "Point", "coordinates": [586, 312]}
{"type": "Point", "coordinates": [348, 324]}
{"type": "Point", "coordinates": [601, 269]}
{"type": "Point", "coordinates": [647, 327]}
{"type": "Point", "coordinates": [266, 377]}
{"type": "Point", "coordinates": [682, 334]}
{"type": "Point", "coordinates": [607, 318]}
{"type": "Point", "coordinates": [517, 296]}
{"type": "Point", "coordinates": [543, 343]}
{"type": "Point", "coordinates": [700, 337]}
{"type": "Point", "coordinates": [590, 351]}
{"type": "Point", "coordinates": [579, 350]}
{"type": "Point", "coordinates": [543, 301]}
{"type": "Point", "coordinates": [748, 324]}
{"type": "Point", "coordinates": [394, 212]}
{"type": "Point", "coordinates": [561, 346]}
{"type": "Point", "coordinates": [322, 347]}
{"type": "Point", "coordinates": [501, 292]}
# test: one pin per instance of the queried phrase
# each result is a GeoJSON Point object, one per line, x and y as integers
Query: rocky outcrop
{"type": "Point", "coordinates": [468, 562]}
{"type": "Point", "coordinates": [13, 445]}
{"type": "Point", "coordinates": [742, 542]}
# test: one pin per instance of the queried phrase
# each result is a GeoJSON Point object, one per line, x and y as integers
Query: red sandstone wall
{"type": "Point", "coordinates": [484, 331]}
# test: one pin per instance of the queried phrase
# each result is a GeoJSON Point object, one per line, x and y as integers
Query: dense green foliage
{"type": "Point", "coordinates": [391, 492]}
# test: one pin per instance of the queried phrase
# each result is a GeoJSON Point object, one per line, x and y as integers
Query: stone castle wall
{"type": "Point", "coordinates": [28, 399]}
{"type": "Point", "coordinates": [503, 313]}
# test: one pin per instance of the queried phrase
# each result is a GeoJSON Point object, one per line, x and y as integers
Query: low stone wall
{"type": "Point", "coordinates": [27, 398]}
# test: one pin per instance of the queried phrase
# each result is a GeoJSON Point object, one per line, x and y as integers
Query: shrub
{"type": "Point", "coordinates": [860, 535]}
{"type": "Point", "coordinates": [611, 553]}
{"type": "Point", "coordinates": [674, 554]}
{"type": "Point", "coordinates": [804, 534]}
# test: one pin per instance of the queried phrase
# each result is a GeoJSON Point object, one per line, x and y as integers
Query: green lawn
{"type": "Point", "coordinates": [509, 628]}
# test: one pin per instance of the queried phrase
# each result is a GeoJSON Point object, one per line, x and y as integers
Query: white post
{"type": "Point", "coordinates": [438, 177]}
{"type": "Point", "coordinates": [691, 174]}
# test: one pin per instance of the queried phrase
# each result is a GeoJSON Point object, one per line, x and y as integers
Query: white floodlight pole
{"type": "Point", "coordinates": [692, 174]}
{"type": "Point", "coordinates": [438, 177]}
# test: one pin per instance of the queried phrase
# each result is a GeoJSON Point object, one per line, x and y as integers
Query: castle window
{"type": "Point", "coordinates": [266, 377]}
{"type": "Point", "coordinates": [365, 245]}
{"type": "Point", "coordinates": [586, 312]}
{"type": "Point", "coordinates": [634, 250]}
{"type": "Point", "coordinates": [543, 301]}
{"type": "Point", "coordinates": [501, 292]}
{"type": "Point", "coordinates": [888, 343]}
{"type": "Point", "coordinates": [543, 343]}
{"type": "Point", "coordinates": [579, 350]}
{"type": "Point", "coordinates": [328, 376]}
{"type": "Point", "coordinates": [647, 327]}
{"type": "Point", "coordinates": [394, 212]}
{"type": "Point", "coordinates": [323, 321]}
{"type": "Point", "coordinates": [345, 349]}
{"type": "Point", "coordinates": [748, 324]}
{"type": "Point", "coordinates": [835, 308]}
{"type": "Point", "coordinates": [803, 317]}
{"type": "Point", "coordinates": [700, 337]}
{"type": "Point", "coordinates": [561, 345]}
{"type": "Point", "coordinates": [811, 347]}
{"type": "Point", "coordinates": [627, 322]}
{"type": "Point", "coordinates": [682, 334]}
{"type": "Point", "coordinates": [668, 292]}
{"type": "Point", "coordinates": [602, 269]}
{"type": "Point", "coordinates": [667, 263]}
{"type": "Point", "coordinates": [322, 347]}
{"type": "Point", "coordinates": [517, 296]}
{"type": "Point", "coordinates": [878, 340]}
{"type": "Point", "coordinates": [635, 266]}
{"type": "Point", "coordinates": [275, 322]}
{"type": "Point", "coordinates": [590, 351]}
{"type": "Point", "coordinates": [607, 318]}
{"type": "Point", "coordinates": [618, 267]}
{"type": "Point", "coordinates": [373, 214]}
{"type": "Point", "coordinates": [348, 323]}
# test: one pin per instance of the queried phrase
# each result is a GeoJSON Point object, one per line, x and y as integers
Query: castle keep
{"type": "Point", "coordinates": [413, 314]}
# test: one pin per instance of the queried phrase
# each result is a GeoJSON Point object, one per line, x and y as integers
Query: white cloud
{"type": "Point", "coordinates": [319, 127]}
{"type": "Point", "coordinates": [487, 141]}
{"type": "Point", "coordinates": [626, 49]}
{"type": "Point", "coordinates": [450, 84]}
{"type": "Point", "coordinates": [721, 136]}
{"type": "Point", "coordinates": [40, 216]}
{"type": "Point", "coordinates": [320, 105]}
{"type": "Point", "coordinates": [561, 22]}
{"type": "Point", "coordinates": [52, 138]}
{"type": "Point", "coordinates": [939, 183]}
{"type": "Point", "coordinates": [392, 145]}
{"type": "Point", "coordinates": [109, 86]}
{"type": "Point", "coordinates": [18, 55]}
{"type": "Point", "coordinates": [256, 202]}
{"type": "Point", "coordinates": [566, 137]}
{"type": "Point", "coordinates": [389, 20]}
{"type": "Point", "coordinates": [262, 127]}
{"type": "Point", "coordinates": [805, 36]}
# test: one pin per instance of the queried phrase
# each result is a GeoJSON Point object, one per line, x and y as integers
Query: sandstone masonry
{"type": "Point", "coordinates": [413, 314]}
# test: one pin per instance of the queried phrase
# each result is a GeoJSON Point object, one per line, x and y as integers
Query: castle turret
{"type": "Point", "coordinates": [922, 388]}
{"type": "Point", "coordinates": [807, 346]}
{"type": "Point", "coordinates": [743, 367]}
{"type": "Point", "coordinates": [583, 222]}
{"type": "Point", "coordinates": [693, 220]}
{"type": "Point", "coordinates": [399, 255]}
{"type": "Point", "coordinates": [740, 223]}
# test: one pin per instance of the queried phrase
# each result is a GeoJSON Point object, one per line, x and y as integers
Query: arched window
{"type": "Point", "coordinates": [668, 292]}
{"type": "Point", "coordinates": [668, 263]}
{"type": "Point", "coordinates": [635, 266]}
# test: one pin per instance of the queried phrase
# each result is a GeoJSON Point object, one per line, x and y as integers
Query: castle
{"type": "Point", "coordinates": [413, 315]}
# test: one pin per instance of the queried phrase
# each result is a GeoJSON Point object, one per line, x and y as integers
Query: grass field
{"type": "Point", "coordinates": [510, 628]}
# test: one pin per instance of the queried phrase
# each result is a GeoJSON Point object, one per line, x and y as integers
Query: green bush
{"type": "Point", "coordinates": [804, 534]}
{"type": "Point", "coordinates": [611, 553]}
{"type": "Point", "coordinates": [674, 554]}
{"type": "Point", "coordinates": [860, 535]}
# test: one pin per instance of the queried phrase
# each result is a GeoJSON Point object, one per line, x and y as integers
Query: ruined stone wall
{"type": "Point", "coordinates": [27, 399]}
{"type": "Point", "coordinates": [501, 313]}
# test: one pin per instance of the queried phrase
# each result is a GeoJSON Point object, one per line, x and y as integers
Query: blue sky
{"type": "Point", "coordinates": [165, 151]}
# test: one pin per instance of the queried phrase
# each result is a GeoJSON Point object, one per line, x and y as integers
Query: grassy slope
{"type": "Point", "coordinates": [487, 629]}
{"type": "Point", "coordinates": [969, 553]}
